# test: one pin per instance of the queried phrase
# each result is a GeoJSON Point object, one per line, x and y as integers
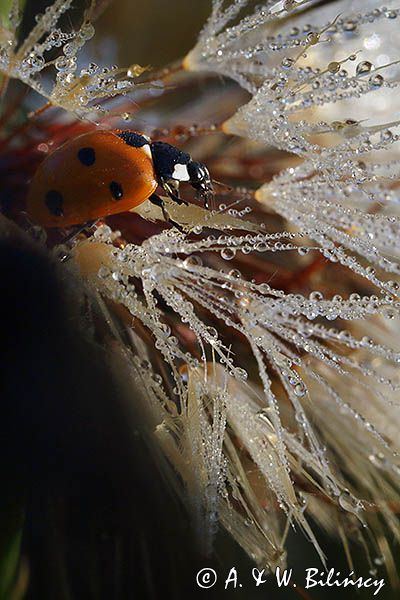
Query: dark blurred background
{"type": "Point", "coordinates": [153, 31]}
{"type": "Point", "coordinates": [147, 32]}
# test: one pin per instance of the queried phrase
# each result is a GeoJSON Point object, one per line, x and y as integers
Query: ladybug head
{"type": "Point", "coordinates": [200, 179]}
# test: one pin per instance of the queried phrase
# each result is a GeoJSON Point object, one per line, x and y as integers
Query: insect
{"type": "Point", "coordinates": [107, 172]}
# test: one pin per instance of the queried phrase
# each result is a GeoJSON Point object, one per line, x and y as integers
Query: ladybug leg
{"type": "Point", "coordinates": [76, 231]}
{"type": "Point", "coordinates": [172, 189]}
{"type": "Point", "coordinates": [72, 235]}
{"type": "Point", "coordinates": [157, 201]}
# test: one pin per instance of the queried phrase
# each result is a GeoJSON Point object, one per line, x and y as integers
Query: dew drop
{"type": "Point", "coordinates": [235, 273]}
{"type": "Point", "coordinates": [373, 572]}
{"type": "Point", "coordinates": [313, 38]}
{"type": "Point", "coordinates": [212, 332]}
{"type": "Point", "coordinates": [135, 70]}
{"type": "Point", "coordinates": [303, 250]}
{"type": "Point", "coordinates": [386, 136]}
{"type": "Point", "coordinates": [349, 503]}
{"type": "Point", "coordinates": [287, 63]}
{"type": "Point", "coordinates": [363, 67]}
{"type": "Point", "coordinates": [302, 500]}
{"type": "Point", "coordinates": [289, 4]}
{"type": "Point", "coordinates": [334, 67]}
{"type": "Point", "coordinates": [316, 296]}
{"type": "Point", "coordinates": [241, 373]}
{"type": "Point", "coordinates": [103, 233]}
{"type": "Point", "coordinates": [228, 253]}
{"type": "Point", "coordinates": [87, 31]}
{"type": "Point", "coordinates": [300, 389]}
{"type": "Point", "coordinates": [192, 261]}
{"type": "Point", "coordinates": [376, 81]}
{"type": "Point", "coordinates": [350, 25]}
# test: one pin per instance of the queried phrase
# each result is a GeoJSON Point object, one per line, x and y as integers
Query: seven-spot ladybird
{"type": "Point", "coordinates": [104, 172]}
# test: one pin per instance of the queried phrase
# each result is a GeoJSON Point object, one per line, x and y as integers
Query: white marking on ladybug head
{"type": "Point", "coordinates": [180, 173]}
{"type": "Point", "coordinates": [146, 148]}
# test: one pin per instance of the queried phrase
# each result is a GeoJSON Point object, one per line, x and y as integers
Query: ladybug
{"type": "Point", "coordinates": [102, 173]}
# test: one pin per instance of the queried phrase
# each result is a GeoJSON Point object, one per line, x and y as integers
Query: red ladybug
{"type": "Point", "coordinates": [103, 172]}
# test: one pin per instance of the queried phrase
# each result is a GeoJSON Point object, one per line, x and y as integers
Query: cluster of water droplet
{"type": "Point", "coordinates": [337, 212]}
{"type": "Point", "coordinates": [346, 172]}
{"type": "Point", "coordinates": [344, 197]}
{"type": "Point", "coordinates": [294, 72]}
{"type": "Point", "coordinates": [29, 61]}
{"type": "Point", "coordinates": [291, 341]}
{"type": "Point", "coordinates": [299, 77]}
{"type": "Point", "coordinates": [244, 46]}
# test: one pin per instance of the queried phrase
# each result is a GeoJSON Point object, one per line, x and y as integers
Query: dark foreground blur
{"type": "Point", "coordinates": [98, 517]}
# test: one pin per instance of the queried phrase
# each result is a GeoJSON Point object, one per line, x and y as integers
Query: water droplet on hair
{"type": "Point", "coordinates": [363, 67]}
{"type": "Point", "coordinates": [228, 253]}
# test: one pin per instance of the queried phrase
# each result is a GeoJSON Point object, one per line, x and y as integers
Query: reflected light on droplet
{"type": "Point", "coordinates": [372, 42]}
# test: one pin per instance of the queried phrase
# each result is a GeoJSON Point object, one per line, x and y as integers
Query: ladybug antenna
{"type": "Point", "coordinates": [226, 188]}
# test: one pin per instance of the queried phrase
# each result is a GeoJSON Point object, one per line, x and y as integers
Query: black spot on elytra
{"type": "Point", "coordinates": [54, 202]}
{"type": "Point", "coordinates": [116, 190]}
{"type": "Point", "coordinates": [87, 156]}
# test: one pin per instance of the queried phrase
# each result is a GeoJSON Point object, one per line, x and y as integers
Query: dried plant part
{"type": "Point", "coordinates": [305, 370]}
